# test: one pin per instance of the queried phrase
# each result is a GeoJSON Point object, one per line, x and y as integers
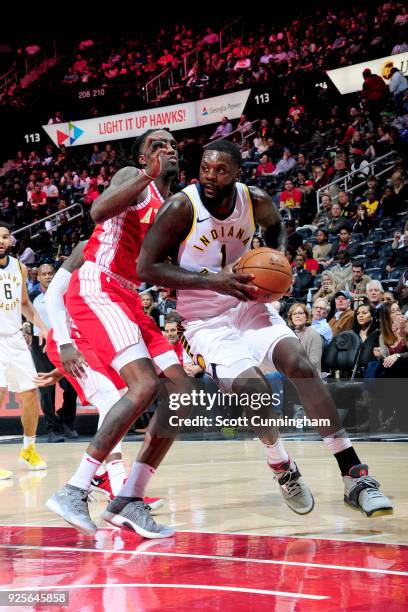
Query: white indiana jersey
{"type": "Point", "coordinates": [11, 285]}
{"type": "Point", "coordinates": [210, 245]}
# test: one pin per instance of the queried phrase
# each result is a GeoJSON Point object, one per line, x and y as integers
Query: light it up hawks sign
{"type": "Point", "coordinates": [129, 125]}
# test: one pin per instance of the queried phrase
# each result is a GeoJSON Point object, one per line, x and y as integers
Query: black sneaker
{"type": "Point", "coordinates": [70, 432]}
{"type": "Point", "coordinates": [55, 436]}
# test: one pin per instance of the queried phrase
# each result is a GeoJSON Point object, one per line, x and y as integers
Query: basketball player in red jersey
{"type": "Point", "coordinates": [210, 225]}
{"type": "Point", "coordinates": [105, 308]}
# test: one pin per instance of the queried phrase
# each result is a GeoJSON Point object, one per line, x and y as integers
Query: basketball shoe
{"type": "Point", "coordinates": [71, 503]}
{"type": "Point", "coordinates": [295, 491]}
{"type": "Point", "coordinates": [135, 515]}
{"type": "Point", "coordinates": [31, 459]}
{"type": "Point", "coordinates": [363, 492]}
{"type": "Point", "coordinates": [102, 484]}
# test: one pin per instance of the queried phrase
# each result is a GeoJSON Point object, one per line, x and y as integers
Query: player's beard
{"type": "Point", "coordinates": [222, 194]}
{"type": "Point", "coordinates": [4, 253]}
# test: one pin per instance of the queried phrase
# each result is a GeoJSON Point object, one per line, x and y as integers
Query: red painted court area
{"type": "Point", "coordinates": [204, 571]}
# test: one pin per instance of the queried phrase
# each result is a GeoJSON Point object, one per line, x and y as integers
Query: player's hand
{"type": "Point", "coordinates": [159, 149]}
{"type": "Point", "coordinates": [72, 360]}
{"type": "Point", "coordinates": [228, 282]}
{"type": "Point", "coordinates": [47, 379]}
{"type": "Point", "coordinates": [42, 338]}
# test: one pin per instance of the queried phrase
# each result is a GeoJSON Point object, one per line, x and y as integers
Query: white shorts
{"type": "Point", "coordinates": [17, 368]}
{"type": "Point", "coordinates": [240, 338]}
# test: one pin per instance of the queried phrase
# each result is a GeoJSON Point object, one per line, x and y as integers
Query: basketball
{"type": "Point", "coordinates": [273, 273]}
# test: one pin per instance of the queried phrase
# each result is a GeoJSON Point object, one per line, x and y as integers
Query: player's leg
{"type": "Point", "coordinates": [360, 489]}
{"type": "Point", "coordinates": [20, 374]}
{"type": "Point", "coordinates": [4, 474]}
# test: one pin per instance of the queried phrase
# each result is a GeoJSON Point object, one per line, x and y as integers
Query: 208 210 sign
{"type": "Point", "coordinates": [91, 93]}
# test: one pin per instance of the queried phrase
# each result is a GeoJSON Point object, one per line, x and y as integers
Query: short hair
{"type": "Point", "coordinates": [225, 146]}
{"type": "Point", "coordinates": [324, 231]}
{"type": "Point", "coordinates": [5, 225]}
{"type": "Point", "coordinates": [325, 302]}
{"type": "Point", "coordinates": [305, 310]}
{"type": "Point", "coordinates": [375, 283]}
{"type": "Point", "coordinates": [357, 264]}
{"type": "Point", "coordinates": [139, 143]}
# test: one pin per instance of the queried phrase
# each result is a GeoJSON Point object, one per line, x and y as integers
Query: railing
{"type": "Point", "coordinates": [166, 76]}
{"type": "Point", "coordinates": [235, 132]}
{"type": "Point", "coordinates": [29, 228]}
{"type": "Point", "coordinates": [345, 180]}
{"type": "Point", "coordinates": [7, 79]}
{"type": "Point", "coordinates": [224, 29]}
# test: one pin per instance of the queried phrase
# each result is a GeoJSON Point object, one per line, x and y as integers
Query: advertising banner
{"type": "Point", "coordinates": [350, 79]}
{"type": "Point", "coordinates": [130, 125]}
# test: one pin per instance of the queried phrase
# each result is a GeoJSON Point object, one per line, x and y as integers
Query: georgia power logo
{"type": "Point", "coordinates": [204, 111]}
{"type": "Point", "coordinates": [74, 133]}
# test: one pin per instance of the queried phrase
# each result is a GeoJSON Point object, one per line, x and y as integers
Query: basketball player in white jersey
{"type": "Point", "coordinates": [17, 369]}
{"type": "Point", "coordinates": [208, 226]}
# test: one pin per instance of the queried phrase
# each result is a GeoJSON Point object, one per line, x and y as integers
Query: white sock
{"type": "Point", "coordinates": [276, 453]}
{"type": "Point", "coordinates": [27, 440]}
{"type": "Point", "coordinates": [101, 470]}
{"type": "Point", "coordinates": [338, 441]}
{"type": "Point", "coordinates": [117, 475]}
{"type": "Point", "coordinates": [137, 481]}
{"type": "Point", "coordinates": [86, 471]}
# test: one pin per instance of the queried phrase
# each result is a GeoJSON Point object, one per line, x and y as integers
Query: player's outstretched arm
{"type": "Point", "coordinates": [267, 216]}
{"type": "Point", "coordinates": [163, 240]}
{"type": "Point", "coordinates": [128, 186]}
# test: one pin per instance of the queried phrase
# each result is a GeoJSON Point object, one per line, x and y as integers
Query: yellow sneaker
{"type": "Point", "coordinates": [30, 458]}
{"type": "Point", "coordinates": [5, 474]}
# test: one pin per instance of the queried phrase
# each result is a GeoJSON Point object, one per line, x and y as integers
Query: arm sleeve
{"type": "Point", "coordinates": [54, 302]}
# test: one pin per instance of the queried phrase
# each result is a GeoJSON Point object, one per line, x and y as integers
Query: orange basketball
{"type": "Point", "coordinates": [273, 273]}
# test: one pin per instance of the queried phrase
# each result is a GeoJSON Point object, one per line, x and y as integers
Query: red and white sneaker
{"type": "Point", "coordinates": [102, 484]}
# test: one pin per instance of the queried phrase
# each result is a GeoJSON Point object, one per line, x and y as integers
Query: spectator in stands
{"type": "Point", "coordinates": [38, 199]}
{"type": "Point", "coordinates": [374, 93]}
{"type": "Point", "coordinates": [290, 197]}
{"type": "Point", "coordinates": [359, 165]}
{"type": "Point", "coordinates": [400, 187]}
{"type": "Point", "coordinates": [348, 210]}
{"type": "Point", "coordinates": [303, 279]}
{"type": "Point", "coordinates": [171, 333]}
{"type": "Point", "coordinates": [342, 271]}
{"type": "Point", "coordinates": [286, 164]}
{"type": "Point", "coordinates": [365, 322]}
{"type": "Point", "coordinates": [299, 320]}
{"type": "Point", "coordinates": [361, 224]}
{"type": "Point", "coordinates": [337, 222]}
{"type": "Point", "coordinates": [223, 129]}
{"type": "Point", "coordinates": [52, 192]}
{"type": "Point", "coordinates": [389, 204]}
{"type": "Point", "coordinates": [398, 86]}
{"type": "Point", "coordinates": [32, 279]}
{"type": "Point", "coordinates": [26, 254]}
{"type": "Point", "coordinates": [327, 288]}
{"type": "Point", "coordinates": [371, 204]}
{"type": "Point", "coordinates": [393, 343]}
{"type": "Point", "coordinates": [320, 310]}
{"type": "Point", "coordinates": [149, 307]}
{"type": "Point", "coordinates": [344, 242]}
{"type": "Point", "coordinates": [357, 285]}
{"type": "Point", "coordinates": [294, 239]}
{"type": "Point", "coordinates": [343, 317]}
{"type": "Point", "coordinates": [322, 250]}
{"type": "Point", "coordinates": [311, 264]}
{"type": "Point", "coordinates": [323, 217]}
{"type": "Point", "coordinates": [257, 242]}
{"type": "Point", "coordinates": [399, 257]}
{"type": "Point", "coordinates": [375, 292]}
{"type": "Point", "coordinates": [266, 167]}
{"type": "Point", "coordinates": [165, 304]}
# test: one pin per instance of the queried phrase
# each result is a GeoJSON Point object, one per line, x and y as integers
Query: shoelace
{"type": "Point", "coordinates": [372, 486]}
{"type": "Point", "coordinates": [292, 487]}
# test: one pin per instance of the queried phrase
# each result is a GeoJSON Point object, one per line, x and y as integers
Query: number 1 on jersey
{"type": "Point", "coordinates": [223, 255]}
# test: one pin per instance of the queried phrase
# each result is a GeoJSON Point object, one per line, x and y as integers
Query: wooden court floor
{"type": "Point", "coordinates": [225, 486]}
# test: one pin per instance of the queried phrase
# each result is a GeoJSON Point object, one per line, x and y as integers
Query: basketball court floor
{"type": "Point", "coordinates": [237, 546]}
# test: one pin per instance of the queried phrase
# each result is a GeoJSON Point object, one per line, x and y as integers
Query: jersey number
{"type": "Point", "coordinates": [148, 216]}
{"type": "Point", "coordinates": [7, 291]}
{"type": "Point", "coordinates": [223, 255]}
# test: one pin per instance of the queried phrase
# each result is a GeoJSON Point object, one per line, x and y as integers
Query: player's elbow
{"type": "Point", "coordinates": [97, 214]}
{"type": "Point", "coordinates": [143, 269]}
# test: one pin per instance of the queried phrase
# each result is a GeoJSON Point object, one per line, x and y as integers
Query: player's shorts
{"type": "Point", "coordinates": [90, 382]}
{"type": "Point", "coordinates": [110, 317]}
{"type": "Point", "coordinates": [17, 369]}
{"type": "Point", "coordinates": [238, 339]}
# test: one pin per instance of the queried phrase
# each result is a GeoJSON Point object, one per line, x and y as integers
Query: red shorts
{"type": "Point", "coordinates": [109, 316]}
{"type": "Point", "coordinates": [87, 385]}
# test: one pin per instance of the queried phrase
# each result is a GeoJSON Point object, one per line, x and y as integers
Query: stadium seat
{"type": "Point", "coordinates": [375, 273]}
{"type": "Point", "coordinates": [369, 249]}
{"type": "Point", "coordinates": [396, 273]}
